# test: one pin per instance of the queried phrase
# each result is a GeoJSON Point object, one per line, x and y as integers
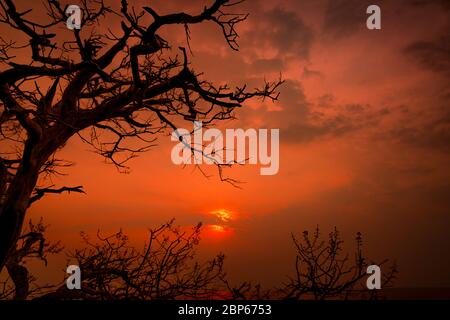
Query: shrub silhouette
{"type": "Point", "coordinates": [166, 268]}
{"type": "Point", "coordinates": [163, 269]}
{"type": "Point", "coordinates": [323, 271]}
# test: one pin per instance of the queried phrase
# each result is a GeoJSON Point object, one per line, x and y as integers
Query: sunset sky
{"type": "Point", "coordinates": [364, 121]}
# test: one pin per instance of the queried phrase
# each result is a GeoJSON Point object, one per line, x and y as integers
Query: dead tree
{"type": "Point", "coordinates": [323, 271]}
{"type": "Point", "coordinates": [165, 268]}
{"type": "Point", "coordinates": [105, 88]}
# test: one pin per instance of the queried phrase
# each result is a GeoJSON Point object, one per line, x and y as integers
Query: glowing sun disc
{"type": "Point", "coordinates": [223, 215]}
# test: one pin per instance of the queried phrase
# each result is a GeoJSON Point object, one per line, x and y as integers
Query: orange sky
{"type": "Point", "coordinates": [364, 130]}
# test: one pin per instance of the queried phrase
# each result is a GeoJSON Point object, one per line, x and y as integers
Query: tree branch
{"type": "Point", "coordinates": [40, 192]}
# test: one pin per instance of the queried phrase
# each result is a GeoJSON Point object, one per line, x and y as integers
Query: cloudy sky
{"type": "Point", "coordinates": [364, 121]}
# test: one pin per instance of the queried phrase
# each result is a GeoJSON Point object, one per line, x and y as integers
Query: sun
{"type": "Point", "coordinates": [223, 214]}
{"type": "Point", "coordinates": [217, 232]}
{"type": "Point", "coordinates": [217, 228]}
{"type": "Point", "coordinates": [221, 229]}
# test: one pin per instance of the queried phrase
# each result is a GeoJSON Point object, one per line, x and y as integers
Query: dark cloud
{"type": "Point", "coordinates": [444, 3]}
{"type": "Point", "coordinates": [432, 134]}
{"type": "Point", "coordinates": [344, 17]}
{"type": "Point", "coordinates": [282, 30]}
{"type": "Point", "coordinates": [304, 132]}
{"type": "Point", "coordinates": [303, 121]}
{"type": "Point", "coordinates": [267, 65]}
{"type": "Point", "coordinates": [319, 126]}
{"type": "Point", "coordinates": [325, 100]}
{"type": "Point", "coordinates": [289, 33]}
{"type": "Point", "coordinates": [282, 33]}
{"type": "Point", "coordinates": [433, 55]}
{"type": "Point", "coordinates": [300, 122]}
{"type": "Point", "coordinates": [308, 73]}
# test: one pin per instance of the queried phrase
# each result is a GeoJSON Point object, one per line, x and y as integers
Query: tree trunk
{"type": "Point", "coordinates": [21, 279]}
{"type": "Point", "coordinates": [14, 208]}
{"type": "Point", "coordinates": [12, 213]}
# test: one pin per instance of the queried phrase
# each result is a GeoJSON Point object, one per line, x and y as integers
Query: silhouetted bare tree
{"type": "Point", "coordinates": [164, 269]}
{"type": "Point", "coordinates": [323, 271]}
{"type": "Point", "coordinates": [120, 87]}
